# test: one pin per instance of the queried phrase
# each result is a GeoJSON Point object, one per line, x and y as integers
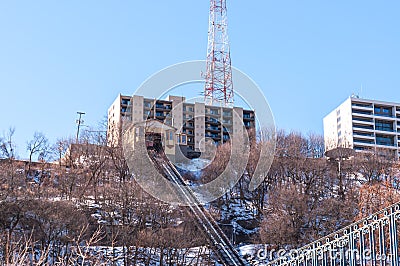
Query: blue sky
{"type": "Point", "coordinates": [60, 57]}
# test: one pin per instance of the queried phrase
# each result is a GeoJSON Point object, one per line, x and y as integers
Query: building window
{"type": "Point", "coordinates": [383, 125]}
{"type": "Point", "coordinates": [169, 135]}
{"type": "Point", "coordinates": [188, 108]}
{"type": "Point", "coordinates": [126, 101]}
{"type": "Point", "coordinates": [383, 111]}
{"type": "Point", "coordinates": [384, 140]}
{"type": "Point", "coordinates": [227, 113]}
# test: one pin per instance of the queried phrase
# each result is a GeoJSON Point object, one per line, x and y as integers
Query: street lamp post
{"type": "Point", "coordinates": [79, 121]}
{"type": "Point", "coordinates": [338, 155]}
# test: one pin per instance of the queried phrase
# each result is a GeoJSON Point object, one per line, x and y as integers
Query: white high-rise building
{"type": "Point", "coordinates": [363, 124]}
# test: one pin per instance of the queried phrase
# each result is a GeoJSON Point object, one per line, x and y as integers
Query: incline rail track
{"type": "Point", "coordinates": [218, 240]}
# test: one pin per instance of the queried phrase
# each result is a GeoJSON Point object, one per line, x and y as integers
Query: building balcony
{"type": "Point", "coordinates": [360, 143]}
{"type": "Point", "coordinates": [362, 106]}
{"type": "Point", "coordinates": [248, 118]}
{"type": "Point", "coordinates": [365, 146]}
{"type": "Point", "coordinates": [126, 110]}
{"type": "Point", "coordinates": [160, 118]}
{"type": "Point", "coordinates": [213, 129]}
{"type": "Point", "coordinates": [386, 145]}
{"type": "Point", "coordinates": [148, 104]}
{"type": "Point", "coordinates": [188, 125]}
{"type": "Point", "coordinates": [359, 148]}
{"type": "Point", "coordinates": [363, 127]}
{"type": "Point", "coordinates": [188, 132]}
{"type": "Point", "coordinates": [211, 120]}
{"type": "Point", "coordinates": [386, 131]}
{"type": "Point", "coordinates": [365, 121]}
{"type": "Point", "coordinates": [248, 124]}
{"type": "Point", "coordinates": [212, 112]}
{"type": "Point", "coordinates": [386, 116]}
{"type": "Point", "coordinates": [188, 109]}
{"type": "Point", "coordinates": [386, 140]}
{"type": "Point", "coordinates": [187, 117]}
{"type": "Point", "coordinates": [363, 113]}
{"type": "Point", "coordinates": [163, 107]}
{"type": "Point", "coordinates": [125, 101]}
{"type": "Point", "coordinates": [213, 136]}
{"type": "Point", "coordinates": [364, 141]}
{"type": "Point", "coordinates": [160, 114]}
{"type": "Point", "coordinates": [364, 135]}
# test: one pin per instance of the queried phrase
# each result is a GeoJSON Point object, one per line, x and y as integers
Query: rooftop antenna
{"type": "Point", "coordinates": [218, 77]}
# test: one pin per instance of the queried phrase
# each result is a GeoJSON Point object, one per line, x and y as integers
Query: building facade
{"type": "Point", "coordinates": [193, 121]}
{"type": "Point", "coordinates": [363, 124]}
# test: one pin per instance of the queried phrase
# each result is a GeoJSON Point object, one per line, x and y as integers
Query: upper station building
{"type": "Point", "coordinates": [193, 122]}
{"type": "Point", "coordinates": [364, 124]}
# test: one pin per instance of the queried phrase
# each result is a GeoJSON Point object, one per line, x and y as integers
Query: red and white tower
{"type": "Point", "coordinates": [218, 78]}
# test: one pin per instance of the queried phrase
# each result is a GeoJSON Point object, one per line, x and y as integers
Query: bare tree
{"type": "Point", "coordinates": [7, 162]}
{"type": "Point", "coordinates": [92, 153]}
{"type": "Point", "coordinates": [7, 145]}
{"type": "Point", "coordinates": [38, 145]}
{"type": "Point", "coordinates": [375, 165]}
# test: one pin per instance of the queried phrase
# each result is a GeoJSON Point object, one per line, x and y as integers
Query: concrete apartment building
{"type": "Point", "coordinates": [363, 124]}
{"type": "Point", "coordinates": [193, 121]}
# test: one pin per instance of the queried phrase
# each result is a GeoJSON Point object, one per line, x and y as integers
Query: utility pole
{"type": "Point", "coordinates": [79, 121]}
{"type": "Point", "coordinates": [218, 87]}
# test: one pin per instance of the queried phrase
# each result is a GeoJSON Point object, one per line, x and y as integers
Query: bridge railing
{"type": "Point", "coordinates": [369, 241]}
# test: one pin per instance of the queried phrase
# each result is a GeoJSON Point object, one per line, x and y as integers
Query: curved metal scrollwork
{"type": "Point", "coordinates": [369, 241]}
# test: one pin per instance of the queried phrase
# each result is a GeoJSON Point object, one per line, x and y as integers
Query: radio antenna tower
{"type": "Point", "coordinates": [218, 77]}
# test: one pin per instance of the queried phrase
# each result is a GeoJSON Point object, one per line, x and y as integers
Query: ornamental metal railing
{"type": "Point", "coordinates": [370, 241]}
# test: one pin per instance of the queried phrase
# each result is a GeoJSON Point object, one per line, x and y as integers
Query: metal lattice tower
{"type": "Point", "coordinates": [218, 78]}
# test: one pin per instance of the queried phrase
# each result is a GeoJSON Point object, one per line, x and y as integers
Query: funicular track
{"type": "Point", "coordinates": [218, 240]}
